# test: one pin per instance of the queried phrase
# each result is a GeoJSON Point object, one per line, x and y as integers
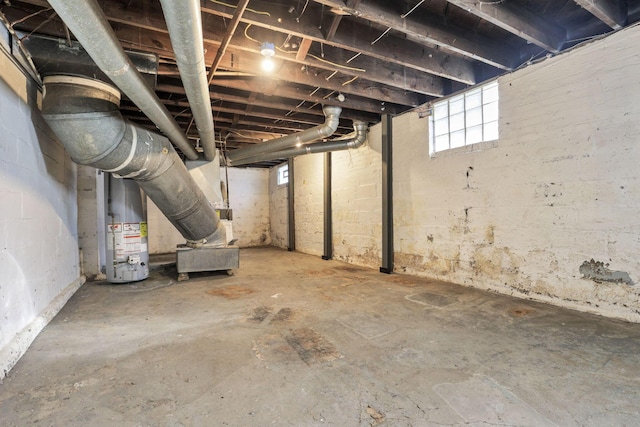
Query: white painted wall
{"type": "Point", "coordinates": [308, 203]}
{"type": "Point", "coordinates": [91, 233]}
{"type": "Point", "coordinates": [560, 187]}
{"type": "Point", "coordinates": [38, 218]}
{"type": "Point", "coordinates": [518, 216]}
{"type": "Point", "coordinates": [249, 199]}
{"type": "Point", "coordinates": [278, 210]}
{"type": "Point", "coordinates": [357, 202]}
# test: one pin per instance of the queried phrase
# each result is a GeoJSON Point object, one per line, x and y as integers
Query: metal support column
{"type": "Point", "coordinates": [328, 224]}
{"type": "Point", "coordinates": [387, 195]}
{"type": "Point", "coordinates": [292, 212]}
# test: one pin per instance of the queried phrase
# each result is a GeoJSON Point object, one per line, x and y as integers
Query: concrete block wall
{"type": "Point", "coordinates": [278, 210]}
{"type": "Point", "coordinates": [39, 258]}
{"type": "Point", "coordinates": [249, 199]}
{"type": "Point", "coordinates": [357, 202]}
{"type": "Point", "coordinates": [308, 202]}
{"type": "Point", "coordinates": [91, 238]}
{"type": "Point", "coordinates": [526, 215]}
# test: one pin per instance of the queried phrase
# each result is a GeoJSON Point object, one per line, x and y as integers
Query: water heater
{"type": "Point", "coordinates": [127, 242]}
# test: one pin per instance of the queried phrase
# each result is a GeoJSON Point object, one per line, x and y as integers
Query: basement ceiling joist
{"type": "Point", "coordinates": [370, 57]}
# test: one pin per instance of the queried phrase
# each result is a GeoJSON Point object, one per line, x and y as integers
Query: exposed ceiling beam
{"type": "Point", "coordinates": [303, 49]}
{"type": "Point", "coordinates": [517, 20]}
{"type": "Point", "coordinates": [611, 12]}
{"type": "Point", "coordinates": [156, 39]}
{"type": "Point", "coordinates": [227, 38]}
{"type": "Point", "coordinates": [422, 59]}
{"type": "Point", "coordinates": [349, 114]}
{"type": "Point", "coordinates": [433, 31]}
{"type": "Point", "coordinates": [404, 52]}
{"type": "Point", "coordinates": [336, 20]}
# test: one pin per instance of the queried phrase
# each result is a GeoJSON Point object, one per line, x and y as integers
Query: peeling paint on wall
{"type": "Point", "coordinates": [598, 271]}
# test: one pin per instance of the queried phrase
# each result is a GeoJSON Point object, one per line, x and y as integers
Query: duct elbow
{"type": "Point", "coordinates": [332, 120]}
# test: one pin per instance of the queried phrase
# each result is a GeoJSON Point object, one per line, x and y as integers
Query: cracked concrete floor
{"type": "Point", "coordinates": [295, 340]}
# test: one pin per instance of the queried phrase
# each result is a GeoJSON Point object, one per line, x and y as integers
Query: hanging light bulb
{"type": "Point", "coordinates": [268, 50]}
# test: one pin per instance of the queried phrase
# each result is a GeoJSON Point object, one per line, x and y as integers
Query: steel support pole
{"type": "Point", "coordinates": [291, 205]}
{"type": "Point", "coordinates": [387, 195]}
{"type": "Point", "coordinates": [328, 224]}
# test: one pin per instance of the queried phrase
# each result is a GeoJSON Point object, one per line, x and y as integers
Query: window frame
{"type": "Point", "coordinates": [282, 174]}
{"type": "Point", "coordinates": [489, 104]}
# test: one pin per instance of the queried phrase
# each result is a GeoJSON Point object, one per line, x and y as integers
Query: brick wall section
{"type": "Point", "coordinates": [357, 203]}
{"type": "Point", "coordinates": [249, 199]}
{"type": "Point", "coordinates": [278, 210]}
{"type": "Point", "coordinates": [309, 178]}
{"type": "Point", "coordinates": [38, 218]}
{"type": "Point", "coordinates": [559, 188]}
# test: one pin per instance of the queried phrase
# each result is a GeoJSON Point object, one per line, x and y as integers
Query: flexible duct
{"type": "Point", "coordinates": [84, 114]}
{"type": "Point", "coordinates": [87, 22]}
{"type": "Point", "coordinates": [332, 118]}
{"type": "Point", "coordinates": [353, 140]}
{"type": "Point", "coordinates": [185, 29]}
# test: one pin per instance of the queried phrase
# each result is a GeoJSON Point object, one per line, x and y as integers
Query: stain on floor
{"type": "Point", "coordinates": [231, 292]}
{"type": "Point", "coordinates": [311, 346]}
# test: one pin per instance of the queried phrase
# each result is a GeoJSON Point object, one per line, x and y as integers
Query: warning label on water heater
{"type": "Point", "coordinates": [132, 239]}
{"type": "Point", "coordinates": [125, 238]}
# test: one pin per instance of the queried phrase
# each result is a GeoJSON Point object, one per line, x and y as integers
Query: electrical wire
{"type": "Point", "coordinates": [362, 70]}
{"type": "Point", "coordinates": [416, 6]}
{"type": "Point", "coordinates": [350, 81]}
{"type": "Point", "coordinates": [259, 12]}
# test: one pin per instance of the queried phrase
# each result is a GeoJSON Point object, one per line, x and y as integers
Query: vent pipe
{"type": "Point", "coordinates": [84, 115]}
{"type": "Point", "coordinates": [332, 118]}
{"type": "Point", "coordinates": [87, 22]}
{"type": "Point", "coordinates": [353, 140]}
{"type": "Point", "coordinates": [185, 30]}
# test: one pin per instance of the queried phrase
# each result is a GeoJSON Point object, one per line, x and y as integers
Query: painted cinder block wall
{"type": "Point", "coordinates": [39, 254]}
{"type": "Point", "coordinates": [278, 210]}
{"type": "Point", "coordinates": [357, 204]}
{"type": "Point", "coordinates": [559, 188]}
{"type": "Point", "coordinates": [520, 215]}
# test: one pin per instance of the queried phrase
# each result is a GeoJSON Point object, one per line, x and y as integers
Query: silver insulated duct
{"type": "Point", "coordinates": [84, 114]}
{"type": "Point", "coordinates": [87, 22]}
{"type": "Point", "coordinates": [185, 29]}
{"type": "Point", "coordinates": [332, 119]}
{"type": "Point", "coordinates": [353, 140]}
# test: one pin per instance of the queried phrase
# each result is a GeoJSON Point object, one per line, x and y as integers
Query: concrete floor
{"type": "Point", "coordinates": [295, 340]}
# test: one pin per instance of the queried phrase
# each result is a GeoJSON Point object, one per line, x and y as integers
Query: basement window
{"type": "Point", "coordinates": [468, 118]}
{"type": "Point", "coordinates": [283, 174]}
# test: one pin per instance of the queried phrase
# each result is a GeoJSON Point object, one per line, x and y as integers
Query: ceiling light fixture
{"type": "Point", "coordinates": [268, 50]}
{"type": "Point", "coordinates": [341, 97]}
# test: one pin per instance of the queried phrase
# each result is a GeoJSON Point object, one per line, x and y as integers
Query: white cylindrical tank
{"type": "Point", "coordinates": [127, 242]}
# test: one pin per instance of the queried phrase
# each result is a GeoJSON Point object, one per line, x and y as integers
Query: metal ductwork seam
{"type": "Point", "coordinates": [332, 119]}
{"type": "Point", "coordinates": [84, 115]}
{"type": "Point", "coordinates": [87, 22]}
{"type": "Point", "coordinates": [185, 30]}
{"type": "Point", "coordinates": [353, 140]}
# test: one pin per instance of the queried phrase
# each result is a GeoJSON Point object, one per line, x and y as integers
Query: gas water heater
{"type": "Point", "coordinates": [127, 247]}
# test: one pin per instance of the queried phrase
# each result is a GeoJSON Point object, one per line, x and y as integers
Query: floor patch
{"type": "Point", "coordinates": [376, 415]}
{"type": "Point", "coordinates": [283, 315]}
{"type": "Point", "coordinates": [259, 314]}
{"type": "Point", "coordinates": [366, 325]}
{"type": "Point", "coordinates": [429, 299]}
{"type": "Point", "coordinates": [231, 292]}
{"type": "Point", "coordinates": [273, 349]}
{"type": "Point", "coordinates": [520, 311]}
{"type": "Point", "coordinates": [312, 347]}
{"type": "Point", "coordinates": [483, 400]}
